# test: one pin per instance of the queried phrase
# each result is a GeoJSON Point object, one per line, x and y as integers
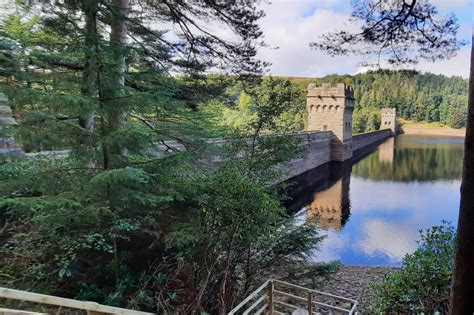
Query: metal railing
{"type": "Point", "coordinates": [278, 297]}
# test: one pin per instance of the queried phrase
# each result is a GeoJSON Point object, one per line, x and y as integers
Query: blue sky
{"type": "Point", "coordinates": [289, 26]}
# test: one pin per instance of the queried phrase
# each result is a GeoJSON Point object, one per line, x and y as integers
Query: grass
{"type": "Point", "coordinates": [422, 124]}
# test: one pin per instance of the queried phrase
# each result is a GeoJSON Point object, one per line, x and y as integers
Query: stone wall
{"type": "Point", "coordinates": [8, 147]}
{"type": "Point", "coordinates": [365, 139]}
{"type": "Point", "coordinates": [317, 146]}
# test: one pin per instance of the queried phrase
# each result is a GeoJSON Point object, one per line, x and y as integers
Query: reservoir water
{"type": "Point", "coordinates": [371, 209]}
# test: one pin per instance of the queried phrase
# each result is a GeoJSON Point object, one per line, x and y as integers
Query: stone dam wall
{"type": "Point", "coordinates": [318, 149]}
{"type": "Point", "coordinates": [365, 139]}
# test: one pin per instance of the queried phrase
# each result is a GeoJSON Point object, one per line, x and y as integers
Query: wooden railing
{"type": "Point", "coordinates": [278, 297]}
{"type": "Point", "coordinates": [90, 307]}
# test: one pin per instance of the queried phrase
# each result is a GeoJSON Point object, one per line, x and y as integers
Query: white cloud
{"type": "Point", "coordinates": [292, 25]}
{"type": "Point", "coordinates": [459, 65]}
{"type": "Point", "coordinates": [286, 27]}
{"type": "Point", "coordinates": [391, 239]}
{"type": "Point", "coordinates": [403, 196]}
{"type": "Point", "coordinates": [331, 246]}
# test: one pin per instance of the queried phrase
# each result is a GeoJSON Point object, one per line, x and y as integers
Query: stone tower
{"type": "Point", "coordinates": [8, 148]}
{"type": "Point", "coordinates": [388, 120]}
{"type": "Point", "coordinates": [330, 109]}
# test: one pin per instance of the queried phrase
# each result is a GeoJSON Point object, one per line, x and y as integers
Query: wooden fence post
{"type": "Point", "coordinates": [310, 303]}
{"type": "Point", "coordinates": [270, 297]}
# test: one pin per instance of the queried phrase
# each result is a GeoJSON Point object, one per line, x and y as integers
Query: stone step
{"type": "Point", "coordinates": [5, 110]}
{"type": "Point", "coordinates": [5, 121]}
{"type": "Point", "coordinates": [3, 98]}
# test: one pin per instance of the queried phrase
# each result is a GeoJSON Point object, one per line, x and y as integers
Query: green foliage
{"type": "Point", "coordinates": [240, 231]}
{"type": "Point", "coordinates": [157, 231]}
{"type": "Point", "coordinates": [274, 94]}
{"type": "Point", "coordinates": [418, 97]}
{"type": "Point", "coordinates": [422, 284]}
{"type": "Point", "coordinates": [365, 120]}
{"type": "Point", "coordinates": [122, 218]}
{"type": "Point", "coordinates": [240, 235]}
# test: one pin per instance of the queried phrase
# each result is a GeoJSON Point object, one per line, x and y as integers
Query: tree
{"type": "Point", "coordinates": [398, 31]}
{"type": "Point", "coordinates": [93, 77]}
{"type": "Point", "coordinates": [242, 235]}
{"type": "Point", "coordinates": [138, 214]}
{"type": "Point", "coordinates": [404, 31]}
{"type": "Point", "coordinates": [463, 280]}
{"type": "Point", "coordinates": [423, 282]}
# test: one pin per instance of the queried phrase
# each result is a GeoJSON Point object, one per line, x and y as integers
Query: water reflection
{"type": "Point", "coordinates": [372, 207]}
{"type": "Point", "coordinates": [386, 151]}
{"type": "Point", "coordinates": [331, 207]}
{"type": "Point", "coordinates": [413, 158]}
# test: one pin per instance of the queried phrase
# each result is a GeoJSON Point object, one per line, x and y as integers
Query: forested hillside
{"type": "Point", "coordinates": [417, 96]}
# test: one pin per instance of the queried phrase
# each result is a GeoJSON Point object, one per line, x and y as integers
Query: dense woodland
{"type": "Point", "coordinates": [225, 105]}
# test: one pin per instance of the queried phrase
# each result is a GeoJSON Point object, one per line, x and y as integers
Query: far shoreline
{"type": "Point", "coordinates": [442, 131]}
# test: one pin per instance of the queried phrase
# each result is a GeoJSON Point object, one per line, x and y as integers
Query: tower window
{"type": "Point", "coordinates": [325, 127]}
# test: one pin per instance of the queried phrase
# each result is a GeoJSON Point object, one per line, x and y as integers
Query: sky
{"type": "Point", "coordinates": [290, 25]}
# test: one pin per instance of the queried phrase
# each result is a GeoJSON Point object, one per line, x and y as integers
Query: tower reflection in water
{"type": "Point", "coordinates": [331, 207]}
{"type": "Point", "coordinates": [324, 191]}
{"type": "Point", "coordinates": [386, 151]}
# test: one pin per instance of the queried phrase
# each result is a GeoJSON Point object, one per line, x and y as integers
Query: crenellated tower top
{"type": "Point", "coordinates": [340, 90]}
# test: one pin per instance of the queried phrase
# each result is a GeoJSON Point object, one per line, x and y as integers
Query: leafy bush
{"type": "Point", "coordinates": [423, 282]}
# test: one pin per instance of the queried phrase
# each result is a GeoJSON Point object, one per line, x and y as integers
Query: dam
{"type": "Point", "coordinates": [329, 137]}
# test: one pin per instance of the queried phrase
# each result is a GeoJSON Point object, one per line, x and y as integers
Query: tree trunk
{"type": "Point", "coordinates": [113, 82]}
{"type": "Point", "coordinates": [462, 291]}
{"type": "Point", "coordinates": [89, 80]}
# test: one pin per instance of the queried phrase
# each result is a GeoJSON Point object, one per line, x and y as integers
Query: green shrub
{"type": "Point", "coordinates": [422, 284]}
